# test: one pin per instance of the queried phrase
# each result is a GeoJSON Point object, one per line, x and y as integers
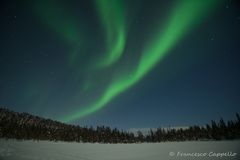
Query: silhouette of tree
{"type": "Point", "coordinates": [24, 126]}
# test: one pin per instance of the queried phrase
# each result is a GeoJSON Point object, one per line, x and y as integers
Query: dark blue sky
{"type": "Point", "coordinates": [44, 71]}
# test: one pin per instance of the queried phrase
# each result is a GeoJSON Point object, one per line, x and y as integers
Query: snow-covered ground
{"type": "Point", "coordinates": [45, 150]}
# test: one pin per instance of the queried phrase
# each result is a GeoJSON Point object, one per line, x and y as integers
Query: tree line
{"type": "Point", "coordinates": [24, 126]}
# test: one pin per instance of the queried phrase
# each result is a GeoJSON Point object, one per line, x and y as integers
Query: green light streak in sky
{"type": "Point", "coordinates": [112, 18]}
{"type": "Point", "coordinates": [55, 16]}
{"type": "Point", "coordinates": [184, 17]}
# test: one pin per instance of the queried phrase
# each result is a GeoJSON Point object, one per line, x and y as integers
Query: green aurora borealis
{"type": "Point", "coordinates": [121, 63]}
{"type": "Point", "coordinates": [112, 19]}
{"type": "Point", "coordinates": [183, 18]}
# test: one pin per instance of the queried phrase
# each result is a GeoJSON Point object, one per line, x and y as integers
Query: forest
{"type": "Point", "coordinates": [24, 126]}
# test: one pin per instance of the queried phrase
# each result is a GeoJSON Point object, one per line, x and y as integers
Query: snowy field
{"type": "Point", "coordinates": [44, 150]}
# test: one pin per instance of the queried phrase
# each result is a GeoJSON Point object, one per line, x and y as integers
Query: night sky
{"type": "Point", "coordinates": [121, 63]}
